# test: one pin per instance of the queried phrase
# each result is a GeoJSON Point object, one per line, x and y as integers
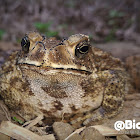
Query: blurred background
{"type": "Point", "coordinates": [102, 20]}
{"type": "Point", "coordinates": [113, 25]}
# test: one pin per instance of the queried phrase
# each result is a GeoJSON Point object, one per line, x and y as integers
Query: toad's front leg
{"type": "Point", "coordinates": [113, 98]}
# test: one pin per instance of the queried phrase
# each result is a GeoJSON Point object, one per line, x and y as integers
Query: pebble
{"type": "Point", "coordinates": [75, 137]}
{"type": "Point", "coordinates": [62, 130]}
{"type": "Point", "coordinates": [48, 137]}
{"type": "Point", "coordinates": [91, 133]}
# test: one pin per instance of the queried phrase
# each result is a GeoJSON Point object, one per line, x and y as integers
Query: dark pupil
{"type": "Point", "coordinates": [84, 49]}
{"type": "Point", "coordinates": [25, 43]}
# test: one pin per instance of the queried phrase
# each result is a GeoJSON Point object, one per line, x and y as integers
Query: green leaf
{"type": "Point", "coordinates": [17, 120]}
{"type": "Point", "coordinates": [115, 14]}
{"type": "Point", "coordinates": [51, 33]}
{"type": "Point", "coordinates": [2, 32]}
{"type": "Point", "coordinates": [20, 122]}
{"type": "Point", "coordinates": [42, 27]}
{"type": "Point", "coordinates": [45, 28]}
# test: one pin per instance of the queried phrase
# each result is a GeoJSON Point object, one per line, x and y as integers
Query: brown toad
{"type": "Point", "coordinates": [66, 79]}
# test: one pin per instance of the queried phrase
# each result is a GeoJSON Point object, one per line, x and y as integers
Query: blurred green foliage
{"type": "Point", "coordinates": [45, 29]}
{"type": "Point", "coordinates": [17, 120]}
{"type": "Point", "coordinates": [71, 4]}
{"type": "Point", "coordinates": [2, 32]}
{"type": "Point", "coordinates": [63, 26]}
{"type": "Point", "coordinates": [115, 17]}
{"type": "Point", "coordinates": [111, 36]}
{"type": "Point", "coordinates": [116, 14]}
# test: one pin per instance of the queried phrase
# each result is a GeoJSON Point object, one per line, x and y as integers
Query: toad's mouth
{"type": "Point", "coordinates": [56, 67]}
{"type": "Point", "coordinates": [50, 69]}
{"type": "Point", "coordinates": [72, 70]}
{"type": "Point", "coordinates": [69, 68]}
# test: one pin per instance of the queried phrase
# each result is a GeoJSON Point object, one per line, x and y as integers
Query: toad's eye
{"type": "Point", "coordinates": [25, 44]}
{"type": "Point", "coordinates": [81, 49]}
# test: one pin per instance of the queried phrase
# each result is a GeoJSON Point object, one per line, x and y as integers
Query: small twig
{"type": "Point", "coordinates": [33, 122]}
{"type": "Point", "coordinates": [5, 110]}
{"type": "Point", "coordinates": [40, 130]}
{"type": "Point", "coordinates": [107, 131]}
{"type": "Point", "coordinates": [17, 132]}
{"type": "Point", "coordinates": [76, 131]}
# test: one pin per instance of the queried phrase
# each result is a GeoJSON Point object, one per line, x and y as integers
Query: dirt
{"type": "Point", "coordinates": [121, 50]}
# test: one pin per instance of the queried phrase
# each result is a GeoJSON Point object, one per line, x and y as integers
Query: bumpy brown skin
{"type": "Point", "coordinates": [63, 81]}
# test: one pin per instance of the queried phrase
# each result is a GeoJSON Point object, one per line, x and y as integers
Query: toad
{"type": "Point", "coordinates": [65, 79]}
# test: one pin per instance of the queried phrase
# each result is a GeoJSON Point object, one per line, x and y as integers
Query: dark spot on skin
{"type": "Point", "coordinates": [112, 105]}
{"type": "Point", "coordinates": [14, 80]}
{"type": "Point", "coordinates": [21, 87]}
{"type": "Point", "coordinates": [3, 93]}
{"type": "Point", "coordinates": [84, 113]}
{"type": "Point", "coordinates": [21, 104]}
{"type": "Point", "coordinates": [25, 86]}
{"type": "Point", "coordinates": [73, 108]}
{"type": "Point", "coordinates": [40, 104]}
{"type": "Point", "coordinates": [119, 102]}
{"type": "Point", "coordinates": [108, 100]}
{"type": "Point", "coordinates": [58, 105]}
{"type": "Point", "coordinates": [46, 89]}
{"type": "Point", "coordinates": [107, 108]}
{"type": "Point", "coordinates": [87, 86]}
{"type": "Point", "coordinates": [31, 93]}
{"type": "Point", "coordinates": [8, 68]}
{"type": "Point", "coordinates": [111, 101]}
{"type": "Point", "coordinates": [49, 113]}
{"type": "Point", "coordinates": [55, 91]}
{"type": "Point", "coordinates": [115, 103]}
{"type": "Point", "coordinates": [114, 93]}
